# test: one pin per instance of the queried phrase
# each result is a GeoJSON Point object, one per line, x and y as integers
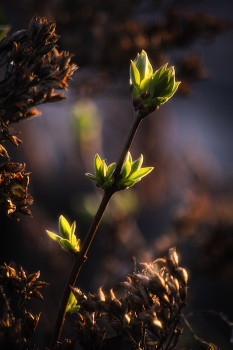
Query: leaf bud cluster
{"type": "Point", "coordinates": [103, 173]}
{"type": "Point", "coordinates": [131, 173]}
{"type": "Point", "coordinates": [67, 238]}
{"type": "Point", "coordinates": [149, 89]}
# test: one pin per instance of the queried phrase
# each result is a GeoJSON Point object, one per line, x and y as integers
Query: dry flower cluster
{"type": "Point", "coordinates": [148, 316]}
{"type": "Point", "coordinates": [17, 333]}
{"type": "Point", "coordinates": [33, 69]}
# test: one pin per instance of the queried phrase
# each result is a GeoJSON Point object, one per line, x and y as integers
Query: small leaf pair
{"type": "Point", "coordinates": [103, 173]}
{"type": "Point", "coordinates": [72, 305]}
{"type": "Point", "coordinates": [150, 90]}
{"type": "Point", "coordinates": [67, 238]}
{"type": "Point", "coordinates": [132, 172]}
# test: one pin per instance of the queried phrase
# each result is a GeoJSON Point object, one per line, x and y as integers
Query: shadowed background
{"type": "Point", "coordinates": [187, 201]}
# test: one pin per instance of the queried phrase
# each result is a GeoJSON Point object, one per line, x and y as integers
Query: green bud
{"type": "Point", "coordinates": [150, 90]}
{"type": "Point", "coordinates": [132, 172]}
{"type": "Point", "coordinates": [72, 305]}
{"type": "Point", "coordinates": [103, 173]}
{"type": "Point", "coordinates": [143, 65]}
{"type": "Point", "coordinates": [97, 163]}
{"type": "Point", "coordinates": [67, 238]}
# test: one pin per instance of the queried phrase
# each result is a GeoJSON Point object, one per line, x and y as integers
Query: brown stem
{"type": "Point", "coordinates": [133, 130]}
{"type": "Point", "coordinates": [81, 256]}
{"type": "Point", "coordinates": [79, 260]}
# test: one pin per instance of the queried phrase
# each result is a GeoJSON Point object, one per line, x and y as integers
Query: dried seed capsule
{"type": "Point", "coordinates": [182, 275]}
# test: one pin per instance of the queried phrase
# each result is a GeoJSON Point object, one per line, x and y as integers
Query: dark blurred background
{"type": "Point", "coordinates": [187, 201]}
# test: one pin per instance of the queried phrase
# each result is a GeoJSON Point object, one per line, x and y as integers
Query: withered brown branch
{"type": "Point", "coordinates": [34, 68]}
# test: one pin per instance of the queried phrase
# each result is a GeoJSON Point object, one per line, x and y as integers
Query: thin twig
{"type": "Point", "coordinates": [203, 343]}
{"type": "Point", "coordinates": [143, 337]}
{"type": "Point", "coordinates": [224, 317]}
{"type": "Point", "coordinates": [81, 256]}
{"type": "Point", "coordinates": [79, 260]}
{"type": "Point", "coordinates": [134, 341]}
{"type": "Point", "coordinates": [133, 130]}
{"type": "Point", "coordinates": [7, 305]}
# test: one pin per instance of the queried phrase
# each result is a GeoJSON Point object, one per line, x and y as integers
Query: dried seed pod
{"type": "Point", "coordinates": [101, 295]}
{"type": "Point", "coordinates": [182, 275]}
{"type": "Point", "coordinates": [173, 258]}
{"type": "Point", "coordinates": [157, 283]}
{"type": "Point", "coordinates": [128, 287]}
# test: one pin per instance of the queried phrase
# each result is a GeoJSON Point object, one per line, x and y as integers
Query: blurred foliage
{"type": "Point", "coordinates": [105, 35]}
{"type": "Point", "coordinates": [89, 28]}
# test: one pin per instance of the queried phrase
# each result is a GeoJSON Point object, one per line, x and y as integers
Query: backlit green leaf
{"type": "Point", "coordinates": [66, 245]}
{"type": "Point", "coordinates": [126, 170]}
{"type": "Point", "coordinates": [53, 236]}
{"type": "Point", "coordinates": [129, 183]}
{"type": "Point", "coordinates": [144, 86]}
{"type": "Point", "coordinates": [73, 309]}
{"type": "Point", "coordinates": [110, 170]}
{"type": "Point", "coordinates": [136, 164]}
{"type": "Point", "coordinates": [135, 92]}
{"type": "Point", "coordinates": [142, 65]}
{"type": "Point", "coordinates": [102, 171]}
{"type": "Point", "coordinates": [134, 75]}
{"type": "Point", "coordinates": [91, 177]}
{"type": "Point", "coordinates": [161, 86]}
{"type": "Point", "coordinates": [140, 173]}
{"type": "Point", "coordinates": [159, 72]}
{"type": "Point", "coordinates": [130, 160]}
{"type": "Point", "coordinates": [174, 90]}
{"type": "Point", "coordinates": [72, 300]}
{"type": "Point", "coordinates": [97, 163]}
{"type": "Point", "coordinates": [64, 228]}
{"type": "Point", "coordinates": [158, 101]}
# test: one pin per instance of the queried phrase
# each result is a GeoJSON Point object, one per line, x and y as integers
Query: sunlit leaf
{"type": "Point", "coordinates": [126, 170]}
{"type": "Point", "coordinates": [53, 236]}
{"type": "Point", "coordinates": [102, 170]}
{"type": "Point", "coordinates": [159, 72]}
{"type": "Point", "coordinates": [91, 177]}
{"type": "Point", "coordinates": [129, 183]}
{"type": "Point", "coordinates": [144, 86]}
{"type": "Point", "coordinates": [110, 170]}
{"type": "Point", "coordinates": [136, 164]}
{"type": "Point", "coordinates": [140, 173]}
{"type": "Point", "coordinates": [66, 245]}
{"type": "Point", "coordinates": [64, 228]}
{"type": "Point", "coordinates": [134, 75]}
{"type": "Point", "coordinates": [97, 163]}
